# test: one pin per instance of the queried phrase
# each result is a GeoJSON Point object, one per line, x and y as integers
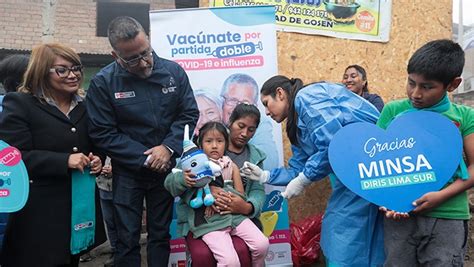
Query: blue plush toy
{"type": "Point", "coordinates": [205, 170]}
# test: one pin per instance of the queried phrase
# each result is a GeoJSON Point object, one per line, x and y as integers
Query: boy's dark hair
{"type": "Point", "coordinates": [12, 69]}
{"type": "Point", "coordinates": [439, 60]}
{"type": "Point", "coordinates": [243, 110]}
{"type": "Point", "coordinates": [213, 125]}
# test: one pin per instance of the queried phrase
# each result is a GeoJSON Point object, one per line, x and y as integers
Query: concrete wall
{"type": "Point", "coordinates": [25, 23]}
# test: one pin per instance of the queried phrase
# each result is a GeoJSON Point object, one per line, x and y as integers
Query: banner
{"type": "Point", "coordinates": [367, 20]}
{"type": "Point", "coordinates": [468, 71]}
{"type": "Point", "coordinates": [228, 53]}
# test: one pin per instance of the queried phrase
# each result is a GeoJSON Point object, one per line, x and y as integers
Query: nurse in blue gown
{"type": "Point", "coordinates": [351, 232]}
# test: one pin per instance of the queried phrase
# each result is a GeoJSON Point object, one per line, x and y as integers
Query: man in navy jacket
{"type": "Point", "coordinates": [138, 106]}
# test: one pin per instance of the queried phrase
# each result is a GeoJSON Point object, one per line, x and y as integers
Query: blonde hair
{"type": "Point", "coordinates": [43, 56]}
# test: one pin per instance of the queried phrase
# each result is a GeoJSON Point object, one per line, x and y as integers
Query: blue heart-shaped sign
{"type": "Point", "coordinates": [14, 182]}
{"type": "Point", "coordinates": [418, 153]}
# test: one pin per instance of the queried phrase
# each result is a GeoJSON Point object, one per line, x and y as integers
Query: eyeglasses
{"type": "Point", "coordinates": [63, 72]}
{"type": "Point", "coordinates": [135, 61]}
{"type": "Point", "coordinates": [234, 101]}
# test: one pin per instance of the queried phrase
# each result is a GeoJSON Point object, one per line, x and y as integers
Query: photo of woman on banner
{"type": "Point", "coordinates": [209, 108]}
{"type": "Point", "coordinates": [351, 232]}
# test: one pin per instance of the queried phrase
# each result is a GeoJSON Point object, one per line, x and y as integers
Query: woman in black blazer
{"type": "Point", "coordinates": [47, 121]}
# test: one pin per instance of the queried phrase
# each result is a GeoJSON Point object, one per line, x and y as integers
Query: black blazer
{"type": "Point", "coordinates": [39, 234]}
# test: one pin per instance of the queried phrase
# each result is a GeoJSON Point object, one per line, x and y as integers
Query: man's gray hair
{"type": "Point", "coordinates": [240, 78]}
{"type": "Point", "coordinates": [123, 29]}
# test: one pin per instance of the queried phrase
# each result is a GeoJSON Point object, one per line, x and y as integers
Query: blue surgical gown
{"type": "Point", "coordinates": [351, 233]}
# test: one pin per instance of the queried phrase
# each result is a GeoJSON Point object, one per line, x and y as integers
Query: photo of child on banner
{"type": "Point", "coordinates": [418, 153]}
{"type": "Point", "coordinates": [14, 182]}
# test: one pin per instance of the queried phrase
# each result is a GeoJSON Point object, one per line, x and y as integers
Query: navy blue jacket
{"type": "Point", "coordinates": [128, 115]}
{"type": "Point", "coordinates": [374, 99]}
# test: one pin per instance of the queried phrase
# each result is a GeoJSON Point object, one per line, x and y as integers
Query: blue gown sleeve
{"type": "Point", "coordinates": [282, 176]}
{"type": "Point", "coordinates": [265, 141]}
{"type": "Point", "coordinates": [321, 116]}
{"type": "Point", "coordinates": [318, 121]}
{"type": "Point", "coordinates": [322, 110]}
{"type": "Point", "coordinates": [317, 166]}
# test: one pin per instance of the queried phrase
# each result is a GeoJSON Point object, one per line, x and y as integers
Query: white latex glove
{"type": "Point", "coordinates": [254, 172]}
{"type": "Point", "coordinates": [296, 186]}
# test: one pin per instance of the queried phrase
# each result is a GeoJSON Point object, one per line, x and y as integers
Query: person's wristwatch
{"type": "Point", "coordinates": [169, 149]}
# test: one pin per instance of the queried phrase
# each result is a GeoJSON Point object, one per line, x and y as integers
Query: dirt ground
{"type": "Point", "coordinates": [103, 252]}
